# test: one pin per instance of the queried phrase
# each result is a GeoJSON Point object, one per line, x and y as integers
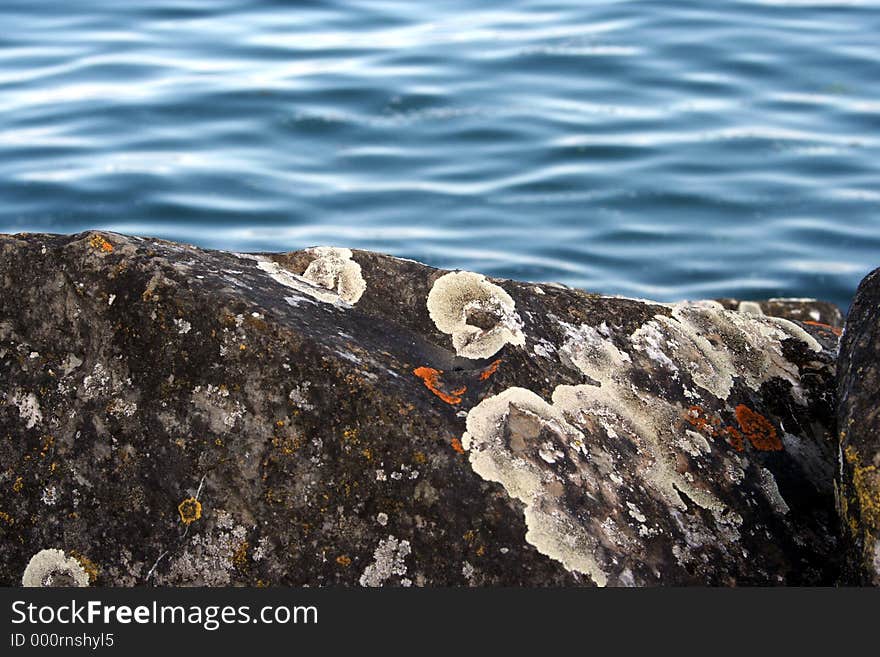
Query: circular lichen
{"type": "Point", "coordinates": [53, 568]}
{"type": "Point", "coordinates": [480, 316]}
{"type": "Point", "coordinates": [190, 510]}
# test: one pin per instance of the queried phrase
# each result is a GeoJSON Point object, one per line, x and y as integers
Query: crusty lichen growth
{"type": "Point", "coordinates": [52, 568]}
{"type": "Point", "coordinates": [863, 510]}
{"type": "Point", "coordinates": [332, 277]}
{"type": "Point", "coordinates": [609, 470]}
{"type": "Point", "coordinates": [389, 559]}
{"type": "Point", "coordinates": [508, 457]}
{"type": "Point", "coordinates": [210, 557]}
{"type": "Point", "coordinates": [479, 315]}
{"type": "Point", "coordinates": [91, 568]}
{"type": "Point", "coordinates": [190, 510]}
{"type": "Point", "coordinates": [334, 269]}
{"type": "Point", "coordinates": [100, 243]}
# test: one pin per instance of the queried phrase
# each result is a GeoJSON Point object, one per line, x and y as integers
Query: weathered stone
{"type": "Point", "coordinates": [179, 416]}
{"type": "Point", "coordinates": [859, 425]}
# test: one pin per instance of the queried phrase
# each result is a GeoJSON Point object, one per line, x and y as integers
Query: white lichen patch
{"type": "Point", "coordinates": [544, 349]}
{"type": "Point", "coordinates": [49, 496]}
{"type": "Point", "coordinates": [70, 363]}
{"type": "Point", "coordinates": [334, 269]}
{"type": "Point", "coordinates": [771, 489]}
{"type": "Point", "coordinates": [651, 340]}
{"type": "Point", "coordinates": [207, 560]}
{"type": "Point", "coordinates": [389, 559]}
{"type": "Point", "coordinates": [219, 410]}
{"type": "Point", "coordinates": [100, 382]}
{"type": "Point", "coordinates": [479, 315]}
{"type": "Point", "coordinates": [28, 408]}
{"type": "Point", "coordinates": [299, 396]}
{"type": "Point", "coordinates": [122, 408]}
{"type": "Point", "coordinates": [332, 277]}
{"type": "Point", "coordinates": [750, 308]}
{"type": "Point", "coordinates": [586, 349]}
{"type": "Point", "coordinates": [715, 346]}
{"type": "Point", "coordinates": [602, 464]}
{"type": "Point", "coordinates": [183, 326]}
{"type": "Point", "coordinates": [510, 461]}
{"type": "Point", "coordinates": [51, 568]}
{"type": "Point", "coordinates": [306, 290]}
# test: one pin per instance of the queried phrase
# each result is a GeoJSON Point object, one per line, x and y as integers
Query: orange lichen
{"type": "Point", "coordinates": [752, 426]}
{"type": "Point", "coordinates": [735, 438]}
{"type": "Point", "coordinates": [431, 379]}
{"type": "Point", "coordinates": [702, 421]}
{"type": "Point", "coordinates": [98, 242]}
{"type": "Point", "coordinates": [190, 510]}
{"type": "Point", "coordinates": [489, 371]}
{"type": "Point", "coordinates": [457, 446]}
{"type": "Point", "coordinates": [758, 429]}
{"type": "Point", "coordinates": [343, 560]}
{"type": "Point", "coordinates": [826, 327]}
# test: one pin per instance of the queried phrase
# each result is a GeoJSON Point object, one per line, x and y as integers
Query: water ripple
{"type": "Point", "coordinates": [665, 149]}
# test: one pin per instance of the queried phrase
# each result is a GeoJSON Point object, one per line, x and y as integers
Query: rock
{"type": "Point", "coordinates": [859, 424]}
{"type": "Point", "coordinates": [178, 416]}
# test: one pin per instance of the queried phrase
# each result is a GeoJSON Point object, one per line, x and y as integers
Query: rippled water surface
{"type": "Point", "coordinates": [663, 149]}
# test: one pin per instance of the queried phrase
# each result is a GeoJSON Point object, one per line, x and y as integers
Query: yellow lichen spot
{"type": "Point", "coordinates": [47, 444]}
{"type": "Point", "coordinates": [239, 556]}
{"type": "Point", "coordinates": [190, 510]}
{"type": "Point", "coordinates": [420, 458]}
{"type": "Point", "coordinates": [18, 485]}
{"type": "Point", "coordinates": [89, 566]}
{"type": "Point", "coordinates": [481, 550]}
{"type": "Point", "coordinates": [343, 560]}
{"type": "Point", "coordinates": [98, 242]}
{"type": "Point", "coordinates": [5, 517]}
{"type": "Point", "coordinates": [242, 347]}
{"type": "Point", "coordinates": [287, 445]}
{"type": "Point", "coordinates": [866, 481]}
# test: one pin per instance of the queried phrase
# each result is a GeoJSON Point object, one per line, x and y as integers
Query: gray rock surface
{"type": "Point", "coordinates": [859, 425]}
{"type": "Point", "coordinates": [176, 416]}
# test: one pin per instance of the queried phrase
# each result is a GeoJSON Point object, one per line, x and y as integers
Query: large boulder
{"type": "Point", "coordinates": [177, 416]}
{"type": "Point", "coordinates": [859, 425]}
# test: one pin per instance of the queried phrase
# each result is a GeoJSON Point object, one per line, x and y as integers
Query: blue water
{"type": "Point", "coordinates": [664, 149]}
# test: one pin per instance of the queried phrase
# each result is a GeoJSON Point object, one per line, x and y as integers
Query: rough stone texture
{"type": "Point", "coordinates": [859, 425]}
{"type": "Point", "coordinates": [177, 416]}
